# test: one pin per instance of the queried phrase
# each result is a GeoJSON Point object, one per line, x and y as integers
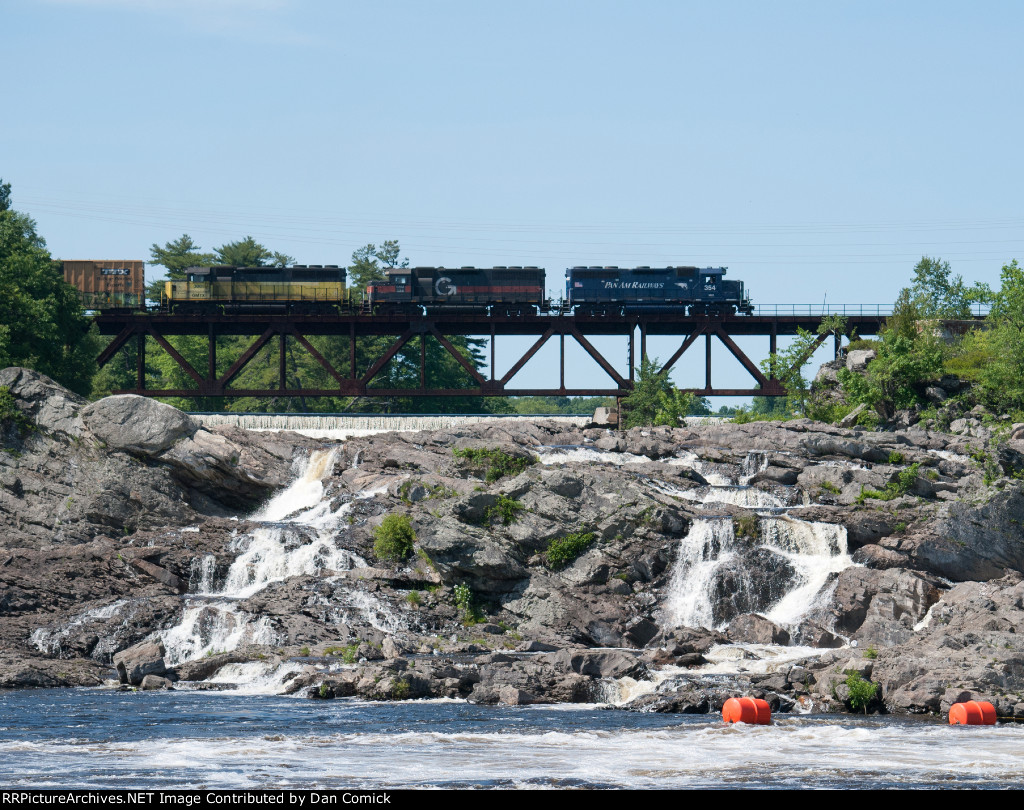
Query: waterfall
{"type": "Point", "coordinates": [781, 573]}
{"type": "Point", "coordinates": [708, 547]}
{"type": "Point", "coordinates": [816, 551]}
{"type": "Point", "coordinates": [51, 641]}
{"type": "Point", "coordinates": [588, 455]}
{"type": "Point", "coordinates": [296, 537]}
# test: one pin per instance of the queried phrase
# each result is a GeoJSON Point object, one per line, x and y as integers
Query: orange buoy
{"type": "Point", "coordinates": [972, 713]}
{"type": "Point", "coordinates": [747, 710]}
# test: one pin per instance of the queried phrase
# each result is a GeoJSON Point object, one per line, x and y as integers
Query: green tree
{"type": "Point", "coordinates": [370, 262]}
{"type": "Point", "coordinates": [365, 267]}
{"type": "Point", "coordinates": [175, 257]}
{"type": "Point", "coordinates": [389, 253]}
{"type": "Point", "coordinates": [999, 351]}
{"type": "Point", "coordinates": [654, 400]}
{"type": "Point", "coordinates": [787, 366]}
{"type": "Point", "coordinates": [936, 293]}
{"type": "Point", "coordinates": [250, 253]}
{"type": "Point", "coordinates": [907, 357]}
{"type": "Point", "coordinates": [42, 324]}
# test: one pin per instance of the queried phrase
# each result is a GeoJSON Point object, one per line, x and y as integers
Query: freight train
{"type": "Point", "coordinates": [495, 290]}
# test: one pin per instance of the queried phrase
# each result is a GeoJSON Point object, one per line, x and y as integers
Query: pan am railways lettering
{"type": "Point", "coordinates": [640, 285]}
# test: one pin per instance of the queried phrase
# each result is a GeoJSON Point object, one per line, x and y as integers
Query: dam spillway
{"type": "Point", "coordinates": [336, 426]}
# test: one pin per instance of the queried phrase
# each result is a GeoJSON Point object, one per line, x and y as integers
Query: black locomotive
{"type": "Point", "coordinates": [495, 289]}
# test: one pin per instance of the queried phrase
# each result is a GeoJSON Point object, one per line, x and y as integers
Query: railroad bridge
{"type": "Point", "coordinates": [352, 381]}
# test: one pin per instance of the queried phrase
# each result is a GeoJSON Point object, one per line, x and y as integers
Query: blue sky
{"type": "Point", "coordinates": [816, 149]}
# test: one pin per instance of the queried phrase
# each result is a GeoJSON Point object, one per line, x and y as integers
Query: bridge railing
{"type": "Point", "coordinates": [863, 310]}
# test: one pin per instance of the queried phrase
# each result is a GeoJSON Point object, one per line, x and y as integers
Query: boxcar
{"type": "Point", "coordinates": [107, 285]}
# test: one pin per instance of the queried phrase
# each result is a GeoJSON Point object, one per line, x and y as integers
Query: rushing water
{"type": "Point", "coordinates": [297, 537]}
{"type": "Point", "coordinates": [251, 737]}
{"type": "Point", "coordinates": [103, 739]}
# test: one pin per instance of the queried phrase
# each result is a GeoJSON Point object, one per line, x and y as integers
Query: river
{"type": "Point", "coordinates": [100, 738]}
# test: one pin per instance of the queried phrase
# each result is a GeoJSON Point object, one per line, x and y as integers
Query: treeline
{"type": "Point", "coordinates": [931, 336]}
{"type": "Point", "coordinates": [42, 325]}
{"type": "Point", "coordinates": [919, 347]}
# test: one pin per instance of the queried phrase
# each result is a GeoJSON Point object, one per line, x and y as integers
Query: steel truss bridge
{"type": "Point", "coordinates": [349, 380]}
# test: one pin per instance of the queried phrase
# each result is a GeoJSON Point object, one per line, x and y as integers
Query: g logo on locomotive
{"type": "Point", "coordinates": [444, 286]}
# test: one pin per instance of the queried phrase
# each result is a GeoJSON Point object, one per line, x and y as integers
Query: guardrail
{"type": "Point", "coordinates": [864, 310]}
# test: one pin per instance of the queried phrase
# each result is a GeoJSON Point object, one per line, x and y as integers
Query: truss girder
{"type": "Point", "coordinates": [300, 328]}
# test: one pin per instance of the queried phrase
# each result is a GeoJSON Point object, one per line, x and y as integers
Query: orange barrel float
{"type": "Point", "coordinates": [972, 713]}
{"type": "Point", "coordinates": [747, 710]}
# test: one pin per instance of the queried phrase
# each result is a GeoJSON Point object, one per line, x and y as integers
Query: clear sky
{"type": "Point", "coordinates": [816, 149]}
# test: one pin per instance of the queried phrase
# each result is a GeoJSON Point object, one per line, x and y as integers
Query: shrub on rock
{"type": "Point", "coordinates": [394, 538]}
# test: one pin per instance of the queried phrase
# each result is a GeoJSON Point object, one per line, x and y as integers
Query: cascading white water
{"type": "Point", "coordinates": [51, 641]}
{"type": "Point", "coordinates": [216, 627]}
{"type": "Point", "coordinates": [816, 551]}
{"type": "Point", "coordinates": [754, 463]}
{"type": "Point", "coordinates": [588, 455]}
{"type": "Point", "coordinates": [297, 539]}
{"type": "Point", "coordinates": [781, 575]}
{"type": "Point", "coordinates": [747, 497]}
{"type": "Point", "coordinates": [690, 599]}
{"type": "Point", "coordinates": [703, 468]}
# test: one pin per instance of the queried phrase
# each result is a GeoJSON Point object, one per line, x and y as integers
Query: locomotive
{"type": "Point", "coordinates": [695, 290]}
{"type": "Point", "coordinates": [312, 289]}
{"type": "Point", "coordinates": [511, 290]}
{"type": "Point", "coordinates": [232, 290]}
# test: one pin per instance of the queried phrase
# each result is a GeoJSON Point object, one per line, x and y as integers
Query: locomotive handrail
{"type": "Point", "coordinates": [860, 310]}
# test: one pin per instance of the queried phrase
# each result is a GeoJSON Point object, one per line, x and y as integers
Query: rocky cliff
{"type": "Point", "coordinates": [536, 564]}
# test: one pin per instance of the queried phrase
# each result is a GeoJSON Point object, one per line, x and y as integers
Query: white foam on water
{"type": "Point", "coordinates": [268, 559]}
{"type": "Point", "coordinates": [793, 751]}
{"type": "Point", "coordinates": [692, 462]}
{"type": "Point", "coordinates": [755, 462]}
{"type": "Point", "coordinates": [203, 570]}
{"type": "Point", "coordinates": [816, 550]}
{"type": "Point", "coordinates": [372, 610]}
{"type": "Point", "coordinates": [302, 494]}
{"type": "Point", "coordinates": [926, 620]}
{"type": "Point", "coordinates": [747, 497]}
{"type": "Point", "coordinates": [620, 691]}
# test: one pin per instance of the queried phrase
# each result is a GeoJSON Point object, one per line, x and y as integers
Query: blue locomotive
{"type": "Point", "coordinates": [695, 290]}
